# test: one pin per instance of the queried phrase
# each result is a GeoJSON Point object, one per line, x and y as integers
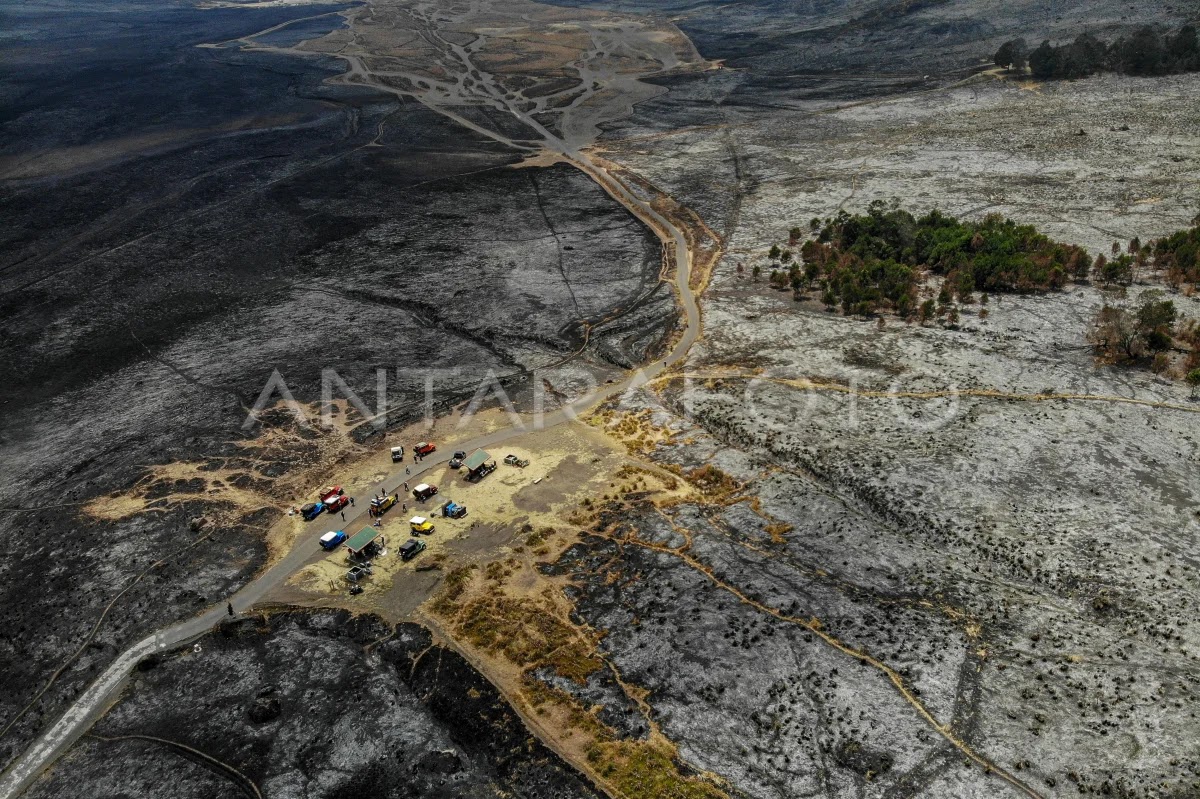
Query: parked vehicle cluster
{"type": "Point", "coordinates": [369, 543]}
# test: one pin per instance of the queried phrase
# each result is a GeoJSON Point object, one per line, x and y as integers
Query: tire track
{"type": "Point", "coordinates": [244, 783]}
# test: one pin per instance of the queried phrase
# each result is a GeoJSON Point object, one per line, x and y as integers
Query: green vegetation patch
{"type": "Point", "coordinates": [874, 261]}
{"type": "Point", "coordinates": [645, 771]}
{"type": "Point", "coordinates": [1145, 52]}
{"type": "Point", "coordinates": [1178, 256]}
{"type": "Point", "coordinates": [529, 633]}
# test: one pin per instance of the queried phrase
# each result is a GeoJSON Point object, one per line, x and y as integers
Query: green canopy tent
{"type": "Point", "coordinates": [363, 539]}
{"type": "Point", "coordinates": [478, 463]}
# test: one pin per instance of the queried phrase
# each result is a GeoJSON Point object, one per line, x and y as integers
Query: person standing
{"type": "Point", "coordinates": [229, 607]}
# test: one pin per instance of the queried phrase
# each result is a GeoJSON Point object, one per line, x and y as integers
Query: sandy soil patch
{"type": "Point", "coordinates": [511, 512]}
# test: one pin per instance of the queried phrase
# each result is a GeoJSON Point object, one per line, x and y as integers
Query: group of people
{"type": "Point", "coordinates": [372, 511]}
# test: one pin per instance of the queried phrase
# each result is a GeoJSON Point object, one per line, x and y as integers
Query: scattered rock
{"type": "Point", "coordinates": [265, 708]}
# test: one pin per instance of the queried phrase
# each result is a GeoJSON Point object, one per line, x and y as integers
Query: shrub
{"type": "Point", "coordinates": [1193, 380]}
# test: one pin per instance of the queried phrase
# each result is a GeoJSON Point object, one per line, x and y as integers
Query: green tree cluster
{"type": "Point", "coordinates": [1178, 255]}
{"type": "Point", "coordinates": [873, 261]}
{"type": "Point", "coordinates": [1144, 52]}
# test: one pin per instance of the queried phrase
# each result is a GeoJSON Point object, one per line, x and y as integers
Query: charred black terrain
{"type": "Point", "coordinates": [837, 556]}
{"type": "Point", "coordinates": [179, 222]}
{"type": "Point", "coordinates": [314, 704]}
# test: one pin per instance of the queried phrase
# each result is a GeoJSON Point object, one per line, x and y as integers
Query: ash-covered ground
{"type": "Point", "coordinates": [1026, 568]}
{"type": "Point", "coordinates": [180, 221]}
{"type": "Point", "coordinates": [313, 704]}
{"type": "Point", "coordinates": [944, 594]}
{"type": "Point", "coordinates": [837, 49]}
{"type": "Point", "coordinates": [941, 594]}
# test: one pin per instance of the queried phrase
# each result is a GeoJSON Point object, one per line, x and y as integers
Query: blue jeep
{"type": "Point", "coordinates": [333, 539]}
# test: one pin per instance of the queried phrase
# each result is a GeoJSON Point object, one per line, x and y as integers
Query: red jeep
{"type": "Point", "coordinates": [424, 448]}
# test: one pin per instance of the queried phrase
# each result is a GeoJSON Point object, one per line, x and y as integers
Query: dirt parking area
{"type": "Point", "coordinates": [566, 464]}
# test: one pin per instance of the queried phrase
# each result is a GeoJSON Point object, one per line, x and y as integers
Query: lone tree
{"type": "Point", "coordinates": [1012, 55]}
{"type": "Point", "coordinates": [1118, 334]}
{"type": "Point", "coordinates": [1114, 334]}
{"type": "Point", "coordinates": [926, 313]}
{"type": "Point", "coordinates": [1193, 380]}
{"type": "Point", "coordinates": [1079, 266]}
{"type": "Point", "coordinates": [1118, 271]}
{"type": "Point", "coordinates": [1155, 318]}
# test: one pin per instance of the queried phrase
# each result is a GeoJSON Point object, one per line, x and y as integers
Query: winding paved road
{"type": "Point", "coordinates": [96, 699]}
{"type": "Point", "coordinates": [93, 702]}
